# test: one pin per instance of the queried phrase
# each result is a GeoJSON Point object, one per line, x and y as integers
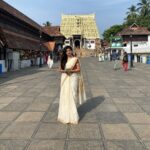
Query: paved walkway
{"type": "Point", "coordinates": [115, 117]}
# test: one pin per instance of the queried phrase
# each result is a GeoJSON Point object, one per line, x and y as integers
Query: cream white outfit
{"type": "Point", "coordinates": [72, 94]}
{"type": "Point", "coordinates": [50, 62]}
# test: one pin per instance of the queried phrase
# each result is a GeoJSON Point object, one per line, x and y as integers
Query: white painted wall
{"type": "Point", "coordinates": [143, 47]}
{"type": "Point", "coordinates": [4, 69]}
{"type": "Point", "coordinates": [149, 39]}
{"type": "Point", "coordinates": [15, 57]}
{"type": "Point", "coordinates": [90, 44]}
{"type": "Point", "coordinates": [67, 43]}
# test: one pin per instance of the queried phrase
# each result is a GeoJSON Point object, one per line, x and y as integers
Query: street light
{"type": "Point", "coordinates": [111, 37]}
{"type": "Point", "coordinates": [131, 57]}
{"type": "Point", "coordinates": [40, 63]}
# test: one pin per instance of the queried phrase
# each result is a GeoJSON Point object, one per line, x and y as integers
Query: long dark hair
{"type": "Point", "coordinates": [64, 57]}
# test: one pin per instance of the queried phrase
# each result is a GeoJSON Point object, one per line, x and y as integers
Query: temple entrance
{"type": "Point", "coordinates": [77, 44]}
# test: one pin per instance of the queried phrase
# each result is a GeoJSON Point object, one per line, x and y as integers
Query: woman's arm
{"type": "Point", "coordinates": [76, 68]}
{"type": "Point", "coordinates": [60, 70]}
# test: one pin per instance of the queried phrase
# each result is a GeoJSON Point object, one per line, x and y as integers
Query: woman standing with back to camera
{"type": "Point", "coordinates": [72, 88]}
{"type": "Point", "coordinates": [125, 61]}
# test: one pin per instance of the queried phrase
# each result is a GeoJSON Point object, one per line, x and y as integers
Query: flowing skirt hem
{"type": "Point", "coordinates": [69, 122]}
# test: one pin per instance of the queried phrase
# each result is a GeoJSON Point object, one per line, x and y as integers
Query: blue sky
{"type": "Point", "coordinates": [108, 12]}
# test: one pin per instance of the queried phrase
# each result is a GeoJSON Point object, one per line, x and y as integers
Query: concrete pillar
{"type": "Point", "coordinates": [135, 58]}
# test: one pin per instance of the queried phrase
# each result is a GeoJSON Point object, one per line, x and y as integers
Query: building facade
{"type": "Point", "coordinates": [54, 31]}
{"type": "Point", "coordinates": [139, 39]}
{"type": "Point", "coordinates": [80, 31]}
{"type": "Point", "coordinates": [21, 39]}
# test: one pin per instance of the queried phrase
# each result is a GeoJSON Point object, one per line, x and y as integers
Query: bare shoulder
{"type": "Point", "coordinates": [76, 59]}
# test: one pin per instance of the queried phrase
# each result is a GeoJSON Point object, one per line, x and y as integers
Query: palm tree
{"type": "Point", "coordinates": [144, 7]}
{"type": "Point", "coordinates": [132, 13]}
{"type": "Point", "coordinates": [47, 24]}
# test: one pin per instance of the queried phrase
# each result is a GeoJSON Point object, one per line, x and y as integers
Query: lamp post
{"type": "Point", "coordinates": [40, 63]}
{"type": "Point", "coordinates": [111, 36]}
{"type": "Point", "coordinates": [131, 48]}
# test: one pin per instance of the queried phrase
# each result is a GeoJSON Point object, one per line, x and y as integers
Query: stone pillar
{"type": "Point", "coordinates": [80, 43]}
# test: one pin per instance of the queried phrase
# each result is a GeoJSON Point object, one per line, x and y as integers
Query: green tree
{"type": "Point", "coordinates": [131, 15]}
{"type": "Point", "coordinates": [47, 24]}
{"type": "Point", "coordinates": [144, 7]}
{"type": "Point", "coordinates": [112, 31]}
{"type": "Point", "coordinates": [144, 21]}
{"type": "Point", "coordinates": [139, 14]}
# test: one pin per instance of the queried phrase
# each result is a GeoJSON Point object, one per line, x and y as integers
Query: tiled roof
{"type": "Point", "coordinates": [18, 14]}
{"type": "Point", "coordinates": [16, 41]}
{"type": "Point", "coordinates": [53, 30]}
{"type": "Point", "coordinates": [132, 30]}
{"type": "Point", "coordinates": [11, 10]}
{"type": "Point", "coordinates": [2, 38]}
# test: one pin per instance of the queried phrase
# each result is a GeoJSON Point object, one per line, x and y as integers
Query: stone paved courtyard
{"type": "Point", "coordinates": [115, 117]}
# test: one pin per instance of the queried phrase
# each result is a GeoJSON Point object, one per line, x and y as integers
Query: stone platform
{"type": "Point", "coordinates": [115, 117]}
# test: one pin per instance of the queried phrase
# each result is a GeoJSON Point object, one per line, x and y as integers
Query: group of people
{"type": "Point", "coordinates": [116, 59]}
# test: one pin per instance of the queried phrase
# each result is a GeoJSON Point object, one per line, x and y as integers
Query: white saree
{"type": "Point", "coordinates": [72, 94]}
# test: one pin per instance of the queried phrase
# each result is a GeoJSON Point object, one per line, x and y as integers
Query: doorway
{"type": "Point", "coordinates": [77, 44]}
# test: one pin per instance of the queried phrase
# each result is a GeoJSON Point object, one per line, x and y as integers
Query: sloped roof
{"type": "Point", "coordinates": [134, 30]}
{"type": "Point", "coordinates": [5, 6]}
{"type": "Point", "coordinates": [16, 41]}
{"type": "Point", "coordinates": [53, 30]}
{"type": "Point", "coordinates": [50, 45]}
{"type": "Point", "coordinates": [16, 13]}
{"type": "Point", "coordinates": [2, 38]}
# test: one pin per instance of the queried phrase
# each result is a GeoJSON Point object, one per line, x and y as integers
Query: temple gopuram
{"type": "Point", "coordinates": [80, 31]}
{"type": "Point", "coordinates": [22, 40]}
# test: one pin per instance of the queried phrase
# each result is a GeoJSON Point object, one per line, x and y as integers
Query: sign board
{"type": "Point", "coordinates": [116, 41]}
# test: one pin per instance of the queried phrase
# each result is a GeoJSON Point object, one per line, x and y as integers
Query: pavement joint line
{"type": "Point", "coordinates": [22, 73]}
{"type": "Point", "coordinates": [128, 122]}
{"type": "Point", "coordinates": [27, 145]}
{"type": "Point", "coordinates": [11, 122]}
{"type": "Point", "coordinates": [40, 123]}
{"type": "Point", "coordinates": [102, 136]}
{"type": "Point", "coordinates": [138, 137]}
{"type": "Point", "coordinates": [69, 126]}
{"type": "Point", "coordinates": [95, 76]}
{"type": "Point", "coordinates": [17, 82]}
{"type": "Point", "coordinates": [102, 139]}
{"type": "Point", "coordinates": [141, 108]}
{"type": "Point", "coordinates": [20, 113]}
{"type": "Point", "coordinates": [133, 130]}
{"type": "Point", "coordinates": [67, 137]}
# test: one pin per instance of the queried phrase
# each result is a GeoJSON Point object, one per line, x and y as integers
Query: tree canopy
{"type": "Point", "coordinates": [112, 31]}
{"type": "Point", "coordinates": [47, 23]}
{"type": "Point", "coordinates": [139, 14]}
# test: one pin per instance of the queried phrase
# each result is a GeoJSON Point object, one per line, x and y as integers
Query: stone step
{"type": "Point", "coordinates": [84, 52]}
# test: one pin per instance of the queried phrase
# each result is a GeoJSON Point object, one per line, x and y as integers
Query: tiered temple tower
{"type": "Point", "coordinates": [80, 31]}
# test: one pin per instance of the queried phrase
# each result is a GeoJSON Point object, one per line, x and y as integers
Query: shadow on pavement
{"type": "Point", "coordinates": [90, 105]}
{"type": "Point", "coordinates": [5, 77]}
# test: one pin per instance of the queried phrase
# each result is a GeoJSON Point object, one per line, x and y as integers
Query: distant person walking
{"type": "Point", "coordinates": [100, 57]}
{"type": "Point", "coordinates": [115, 58]}
{"type": "Point", "coordinates": [50, 61]}
{"type": "Point", "coordinates": [103, 56]}
{"type": "Point", "coordinates": [125, 61]}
